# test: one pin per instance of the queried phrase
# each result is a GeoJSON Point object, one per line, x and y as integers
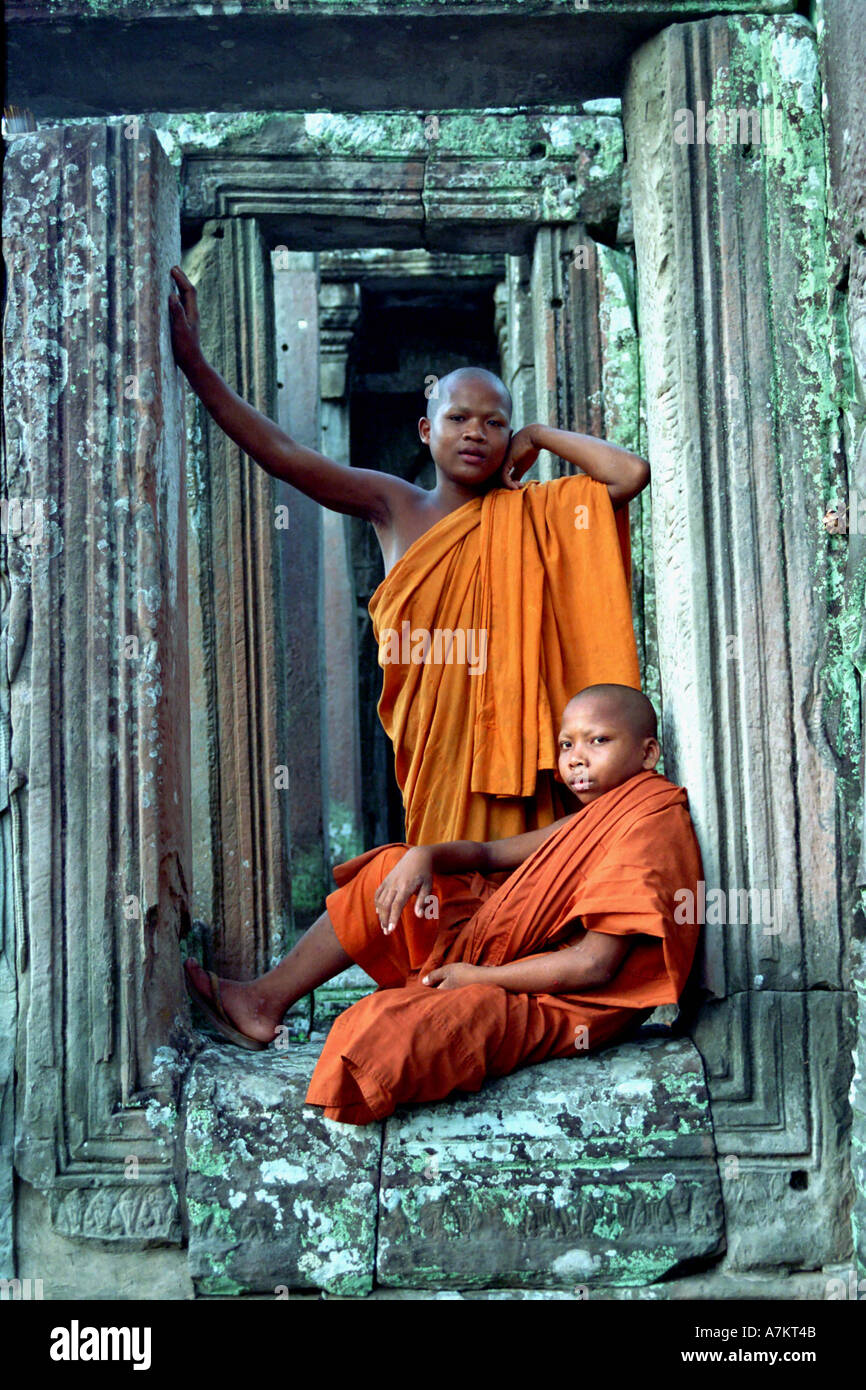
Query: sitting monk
{"type": "Point", "coordinates": [573, 950]}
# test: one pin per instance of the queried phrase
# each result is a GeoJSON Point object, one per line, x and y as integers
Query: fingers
{"type": "Point", "coordinates": [398, 902]}
{"type": "Point", "coordinates": [434, 977]}
{"type": "Point", "coordinates": [425, 888]}
{"type": "Point", "coordinates": [382, 902]}
{"type": "Point", "coordinates": [187, 293]}
{"type": "Point", "coordinates": [389, 902]}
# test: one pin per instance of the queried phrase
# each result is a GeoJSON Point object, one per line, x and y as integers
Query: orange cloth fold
{"type": "Point", "coordinates": [613, 867]}
{"type": "Point", "coordinates": [540, 579]}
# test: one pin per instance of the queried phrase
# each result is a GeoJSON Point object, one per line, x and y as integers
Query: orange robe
{"type": "Point", "coordinates": [615, 865]}
{"type": "Point", "coordinates": [544, 573]}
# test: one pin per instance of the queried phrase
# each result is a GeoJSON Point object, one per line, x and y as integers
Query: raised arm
{"type": "Point", "coordinates": [625, 473]}
{"type": "Point", "coordinates": [357, 491]}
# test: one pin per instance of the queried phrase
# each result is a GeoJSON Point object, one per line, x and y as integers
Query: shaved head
{"type": "Point", "coordinates": [446, 386]}
{"type": "Point", "coordinates": [625, 705]}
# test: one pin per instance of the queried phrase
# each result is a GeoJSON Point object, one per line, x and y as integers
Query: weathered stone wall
{"type": "Point", "coordinates": [95, 709]}
{"type": "Point", "coordinates": [842, 50]}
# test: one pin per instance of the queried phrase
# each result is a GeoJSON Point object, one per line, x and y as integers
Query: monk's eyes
{"type": "Point", "coordinates": [599, 738]}
{"type": "Point", "coordinates": [499, 423]}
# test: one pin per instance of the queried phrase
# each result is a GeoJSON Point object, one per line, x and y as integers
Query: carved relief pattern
{"type": "Point", "coordinates": [96, 633]}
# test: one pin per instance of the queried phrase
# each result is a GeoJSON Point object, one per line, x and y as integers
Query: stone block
{"type": "Point", "coordinates": [779, 1069]}
{"type": "Point", "coordinates": [276, 1194]}
{"type": "Point", "coordinates": [583, 1171]}
{"type": "Point", "coordinates": [331, 999]}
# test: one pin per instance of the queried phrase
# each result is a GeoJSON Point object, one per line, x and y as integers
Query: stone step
{"type": "Point", "coordinates": [332, 998]}
{"type": "Point", "coordinates": [593, 1170]}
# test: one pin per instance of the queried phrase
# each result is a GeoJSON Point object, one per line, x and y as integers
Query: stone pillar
{"type": "Point", "coordinates": [732, 260]}
{"type": "Point", "coordinates": [239, 623]}
{"type": "Point", "coordinates": [339, 308]}
{"type": "Point", "coordinates": [581, 327]}
{"type": "Point", "coordinates": [95, 707]}
{"type": "Point", "coordinates": [296, 291]}
{"type": "Point", "coordinates": [842, 42]}
{"type": "Point", "coordinates": [517, 347]}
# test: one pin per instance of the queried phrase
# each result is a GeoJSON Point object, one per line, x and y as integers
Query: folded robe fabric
{"type": "Point", "coordinates": [613, 867]}
{"type": "Point", "coordinates": [536, 585]}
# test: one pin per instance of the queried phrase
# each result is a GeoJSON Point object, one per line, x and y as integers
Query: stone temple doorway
{"type": "Point", "coordinates": [648, 300]}
{"type": "Point", "coordinates": [420, 315]}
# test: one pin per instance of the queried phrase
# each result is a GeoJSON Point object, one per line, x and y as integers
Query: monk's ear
{"type": "Point", "coordinates": [424, 429]}
{"type": "Point", "coordinates": [652, 753]}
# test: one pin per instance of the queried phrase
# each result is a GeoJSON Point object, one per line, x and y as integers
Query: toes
{"type": "Point", "coordinates": [198, 975]}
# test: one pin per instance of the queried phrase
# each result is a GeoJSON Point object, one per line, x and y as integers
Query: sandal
{"type": "Point", "coordinates": [214, 1011]}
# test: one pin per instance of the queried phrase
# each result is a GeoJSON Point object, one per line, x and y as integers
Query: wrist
{"type": "Point", "coordinates": [423, 855]}
{"type": "Point", "coordinates": [195, 369]}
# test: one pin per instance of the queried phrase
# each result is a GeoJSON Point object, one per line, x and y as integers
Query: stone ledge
{"type": "Point", "coordinates": [611, 1178]}
{"type": "Point", "coordinates": [837, 1283]}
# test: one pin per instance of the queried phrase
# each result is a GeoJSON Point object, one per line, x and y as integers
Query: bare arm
{"type": "Point", "coordinates": [591, 963]}
{"type": "Point", "coordinates": [358, 491]}
{"type": "Point", "coordinates": [624, 473]}
{"type": "Point", "coordinates": [413, 876]}
{"type": "Point", "coordinates": [489, 856]}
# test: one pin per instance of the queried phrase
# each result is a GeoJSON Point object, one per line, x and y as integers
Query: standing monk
{"type": "Point", "coordinates": [498, 602]}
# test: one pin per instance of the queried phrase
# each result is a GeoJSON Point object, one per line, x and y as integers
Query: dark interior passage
{"type": "Point", "coordinates": [407, 333]}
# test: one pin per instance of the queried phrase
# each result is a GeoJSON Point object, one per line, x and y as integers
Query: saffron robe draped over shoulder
{"type": "Point", "coordinates": [537, 581]}
{"type": "Point", "coordinates": [614, 867]}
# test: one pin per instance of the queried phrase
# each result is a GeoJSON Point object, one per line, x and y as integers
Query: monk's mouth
{"type": "Point", "coordinates": [472, 455]}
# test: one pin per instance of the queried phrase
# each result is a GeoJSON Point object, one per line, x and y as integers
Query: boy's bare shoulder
{"type": "Point", "coordinates": [411, 512]}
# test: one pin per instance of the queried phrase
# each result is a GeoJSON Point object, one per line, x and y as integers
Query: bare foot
{"type": "Point", "coordinates": [249, 1010]}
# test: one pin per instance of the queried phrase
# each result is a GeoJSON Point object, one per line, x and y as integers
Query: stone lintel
{"type": "Point", "coordinates": [380, 268]}
{"type": "Point", "coordinates": [340, 55]}
{"type": "Point", "coordinates": [477, 180]}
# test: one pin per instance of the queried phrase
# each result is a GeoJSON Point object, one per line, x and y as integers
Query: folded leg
{"type": "Point", "coordinates": [416, 1043]}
